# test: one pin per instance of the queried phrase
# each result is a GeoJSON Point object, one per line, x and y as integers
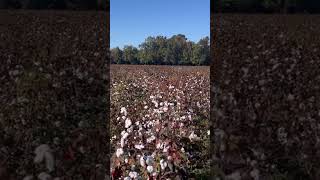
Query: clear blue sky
{"type": "Point", "coordinates": [132, 21]}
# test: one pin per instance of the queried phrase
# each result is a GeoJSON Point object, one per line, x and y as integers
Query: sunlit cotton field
{"type": "Point", "coordinates": [159, 122]}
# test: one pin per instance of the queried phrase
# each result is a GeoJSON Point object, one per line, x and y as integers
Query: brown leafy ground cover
{"type": "Point", "coordinates": [159, 122]}
{"type": "Point", "coordinates": [265, 88]}
{"type": "Point", "coordinates": [54, 79]}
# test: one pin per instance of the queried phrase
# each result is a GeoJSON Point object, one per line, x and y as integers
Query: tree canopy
{"type": "Point", "coordinates": [160, 50]}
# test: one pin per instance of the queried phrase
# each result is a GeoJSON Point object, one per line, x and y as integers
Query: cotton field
{"type": "Point", "coordinates": [159, 122]}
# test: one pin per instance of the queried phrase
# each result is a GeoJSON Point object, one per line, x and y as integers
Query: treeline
{"type": "Point", "coordinates": [55, 4]}
{"type": "Point", "coordinates": [266, 6]}
{"type": "Point", "coordinates": [161, 50]}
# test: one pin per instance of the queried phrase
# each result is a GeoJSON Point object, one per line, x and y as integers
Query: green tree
{"type": "Point", "coordinates": [177, 43]}
{"type": "Point", "coordinates": [187, 53]}
{"type": "Point", "coordinates": [176, 50]}
{"type": "Point", "coordinates": [116, 56]}
{"type": "Point", "coordinates": [201, 52]}
{"type": "Point", "coordinates": [149, 51]}
{"type": "Point", "coordinates": [130, 55]}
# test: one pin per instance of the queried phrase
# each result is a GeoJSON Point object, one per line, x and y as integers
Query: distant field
{"type": "Point", "coordinates": [159, 120]}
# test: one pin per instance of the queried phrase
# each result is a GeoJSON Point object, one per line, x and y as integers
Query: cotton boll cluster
{"type": "Point", "coordinates": [43, 153]}
{"type": "Point", "coordinates": [119, 152]}
{"type": "Point", "coordinates": [128, 123]}
{"type": "Point", "coordinates": [151, 127]}
{"type": "Point", "coordinates": [123, 111]}
{"type": "Point", "coordinates": [193, 136]}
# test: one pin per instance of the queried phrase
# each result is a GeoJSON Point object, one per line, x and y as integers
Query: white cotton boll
{"type": "Point", "coordinates": [182, 150]}
{"type": "Point", "coordinates": [208, 132]}
{"type": "Point", "coordinates": [154, 174]}
{"type": "Point", "coordinates": [125, 135]}
{"type": "Point", "coordinates": [49, 161]}
{"type": "Point", "coordinates": [166, 148]}
{"type": "Point", "coordinates": [165, 109]}
{"type": "Point", "coordinates": [123, 117]}
{"type": "Point", "coordinates": [155, 104]}
{"type": "Point", "coordinates": [114, 137]}
{"type": "Point", "coordinates": [81, 124]}
{"type": "Point", "coordinates": [142, 162]}
{"type": "Point", "coordinates": [138, 156]}
{"type": "Point", "coordinates": [189, 116]}
{"type": "Point", "coordinates": [128, 123]}
{"type": "Point", "coordinates": [44, 176]}
{"type": "Point", "coordinates": [122, 142]}
{"type": "Point", "coordinates": [127, 178]}
{"type": "Point", "coordinates": [130, 129]}
{"type": "Point", "coordinates": [139, 146]}
{"type": "Point", "coordinates": [169, 158]}
{"type": "Point", "coordinates": [152, 138]}
{"type": "Point", "coordinates": [119, 152]}
{"type": "Point", "coordinates": [161, 103]}
{"type": "Point", "coordinates": [163, 164]}
{"type": "Point", "coordinates": [133, 174]}
{"type": "Point", "coordinates": [123, 132]}
{"type": "Point", "coordinates": [29, 177]}
{"type": "Point", "coordinates": [57, 123]}
{"type": "Point", "coordinates": [118, 118]}
{"type": "Point", "coordinates": [159, 145]}
{"type": "Point", "coordinates": [149, 160]}
{"type": "Point", "coordinates": [145, 107]}
{"type": "Point", "coordinates": [126, 160]}
{"type": "Point", "coordinates": [81, 149]}
{"type": "Point", "coordinates": [40, 151]}
{"type": "Point", "coordinates": [137, 123]}
{"type": "Point", "coordinates": [193, 136]}
{"type": "Point", "coordinates": [123, 111]}
{"type": "Point", "coordinates": [150, 123]}
{"type": "Point", "coordinates": [150, 169]}
{"type": "Point", "coordinates": [255, 174]}
{"type": "Point", "coordinates": [56, 141]}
